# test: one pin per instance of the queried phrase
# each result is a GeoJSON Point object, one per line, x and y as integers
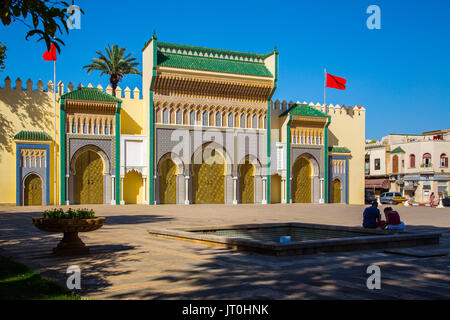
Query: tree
{"type": "Point", "coordinates": [48, 18]}
{"type": "Point", "coordinates": [3, 56]}
{"type": "Point", "coordinates": [114, 64]}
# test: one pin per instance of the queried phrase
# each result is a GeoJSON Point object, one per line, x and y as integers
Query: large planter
{"type": "Point", "coordinates": [71, 243]}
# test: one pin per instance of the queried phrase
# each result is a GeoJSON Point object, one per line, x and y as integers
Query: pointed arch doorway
{"type": "Point", "coordinates": [336, 191]}
{"type": "Point", "coordinates": [209, 177]}
{"type": "Point", "coordinates": [247, 182]}
{"type": "Point", "coordinates": [301, 182]}
{"type": "Point", "coordinates": [33, 190]}
{"type": "Point", "coordinates": [89, 178]}
{"type": "Point", "coordinates": [168, 181]}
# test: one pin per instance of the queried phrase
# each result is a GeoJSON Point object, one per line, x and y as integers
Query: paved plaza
{"type": "Point", "coordinates": [126, 263]}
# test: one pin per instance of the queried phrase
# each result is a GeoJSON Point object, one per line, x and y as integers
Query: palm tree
{"type": "Point", "coordinates": [114, 64]}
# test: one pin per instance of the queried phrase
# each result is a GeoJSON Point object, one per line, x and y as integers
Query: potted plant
{"type": "Point", "coordinates": [70, 223]}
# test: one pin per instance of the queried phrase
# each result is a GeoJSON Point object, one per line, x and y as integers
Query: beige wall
{"type": "Point", "coordinates": [132, 115]}
{"type": "Point", "coordinates": [349, 131]}
{"type": "Point", "coordinates": [23, 110]}
{"type": "Point", "coordinates": [345, 130]}
{"type": "Point", "coordinates": [147, 76]}
{"type": "Point", "coordinates": [32, 110]}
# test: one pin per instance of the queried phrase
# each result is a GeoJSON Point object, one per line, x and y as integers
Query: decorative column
{"type": "Point", "coordinates": [154, 190]}
{"type": "Point", "coordinates": [62, 152]}
{"type": "Point", "coordinates": [235, 190]}
{"type": "Point", "coordinates": [23, 194]}
{"type": "Point", "coordinates": [113, 189]}
{"type": "Point", "coordinates": [264, 200]}
{"type": "Point", "coordinates": [186, 190]}
{"type": "Point", "coordinates": [121, 191]}
{"type": "Point", "coordinates": [117, 142]}
{"type": "Point", "coordinates": [67, 189]}
{"type": "Point", "coordinates": [321, 200]}
{"type": "Point", "coordinates": [283, 190]}
{"type": "Point", "coordinates": [290, 194]}
{"type": "Point", "coordinates": [144, 180]}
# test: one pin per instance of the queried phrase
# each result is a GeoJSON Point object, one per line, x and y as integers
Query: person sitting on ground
{"type": "Point", "coordinates": [393, 221]}
{"type": "Point", "coordinates": [372, 217]}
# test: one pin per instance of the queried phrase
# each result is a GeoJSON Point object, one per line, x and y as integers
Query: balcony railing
{"type": "Point", "coordinates": [426, 168]}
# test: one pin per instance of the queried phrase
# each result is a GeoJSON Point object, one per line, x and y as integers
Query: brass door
{"type": "Point", "coordinates": [301, 182]}
{"type": "Point", "coordinates": [209, 180]}
{"type": "Point", "coordinates": [33, 191]}
{"type": "Point", "coordinates": [89, 179]}
{"type": "Point", "coordinates": [168, 182]}
{"type": "Point", "coordinates": [132, 187]}
{"type": "Point", "coordinates": [247, 182]}
{"type": "Point", "coordinates": [336, 191]}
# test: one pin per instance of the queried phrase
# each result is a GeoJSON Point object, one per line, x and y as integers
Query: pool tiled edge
{"type": "Point", "coordinates": [375, 239]}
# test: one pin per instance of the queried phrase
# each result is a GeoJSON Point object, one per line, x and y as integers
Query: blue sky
{"type": "Point", "coordinates": [400, 73]}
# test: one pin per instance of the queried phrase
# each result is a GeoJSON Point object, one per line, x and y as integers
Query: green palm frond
{"type": "Point", "coordinates": [115, 64]}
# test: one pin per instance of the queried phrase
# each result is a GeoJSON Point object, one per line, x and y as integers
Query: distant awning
{"type": "Point", "coordinates": [378, 183]}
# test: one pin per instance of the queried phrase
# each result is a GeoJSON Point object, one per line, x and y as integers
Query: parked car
{"type": "Point", "coordinates": [369, 196]}
{"type": "Point", "coordinates": [446, 201]}
{"type": "Point", "coordinates": [388, 197]}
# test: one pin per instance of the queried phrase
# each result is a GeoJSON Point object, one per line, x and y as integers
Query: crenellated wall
{"type": "Point", "coordinates": [23, 109]}
{"type": "Point", "coordinates": [30, 106]}
{"type": "Point", "coordinates": [347, 129]}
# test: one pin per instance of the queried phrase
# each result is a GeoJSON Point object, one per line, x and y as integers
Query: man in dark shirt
{"type": "Point", "coordinates": [372, 216]}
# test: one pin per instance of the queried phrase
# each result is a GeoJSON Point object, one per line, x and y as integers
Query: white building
{"type": "Point", "coordinates": [415, 165]}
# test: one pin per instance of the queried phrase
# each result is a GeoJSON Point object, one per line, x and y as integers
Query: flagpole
{"type": "Point", "coordinates": [54, 126]}
{"type": "Point", "coordinates": [325, 89]}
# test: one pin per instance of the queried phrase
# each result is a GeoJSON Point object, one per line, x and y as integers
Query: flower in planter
{"type": "Point", "coordinates": [54, 214]}
{"type": "Point", "coordinates": [85, 213]}
{"type": "Point", "coordinates": [69, 214]}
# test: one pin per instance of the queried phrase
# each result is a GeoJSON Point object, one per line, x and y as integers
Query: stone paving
{"type": "Point", "coordinates": [126, 263]}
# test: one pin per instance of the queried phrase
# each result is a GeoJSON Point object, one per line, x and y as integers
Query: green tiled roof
{"type": "Point", "coordinates": [304, 110]}
{"type": "Point", "coordinates": [208, 59]}
{"type": "Point", "coordinates": [90, 94]}
{"type": "Point", "coordinates": [33, 135]}
{"type": "Point", "coordinates": [212, 64]}
{"type": "Point", "coordinates": [339, 149]}
{"type": "Point", "coordinates": [398, 150]}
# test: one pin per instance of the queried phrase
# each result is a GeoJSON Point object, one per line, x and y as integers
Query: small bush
{"type": "Point", "coordinates": [69, 214]}
{"type": "Point", "coordinates": [55, 214]}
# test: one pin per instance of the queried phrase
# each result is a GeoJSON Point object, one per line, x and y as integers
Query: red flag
{"type": "Point", "coordinates": [50, 55]}
{"type": "Point", "coordinates": [336, 82]}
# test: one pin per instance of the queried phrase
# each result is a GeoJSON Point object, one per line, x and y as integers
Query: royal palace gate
{"type": "Point", "coordinates": [90, 147]}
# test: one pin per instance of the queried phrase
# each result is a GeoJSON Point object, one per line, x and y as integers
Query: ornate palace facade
{"type": "Point", "coordinates": [205, 131]}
